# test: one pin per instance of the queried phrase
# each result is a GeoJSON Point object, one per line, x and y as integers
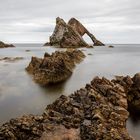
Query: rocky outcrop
{"type": "Point", "coordinates": [132, 89]}
{"type": "Point", "coordinates": [96, 112]}
{"type": "Point", "coordinates": [56, 67]}
{"type": "Point", "coordinates": [3, 45]}
{"type": "Point", "coordinates": [70, 35]}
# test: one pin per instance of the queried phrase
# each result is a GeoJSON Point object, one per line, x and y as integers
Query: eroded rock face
{"type": "Point", "coordinates": [132, 89]}
{"type": "Point", "coordinates": [96, 112]}
{"type": "Point", "coordinates": [3, 45]}
{"type": "Point", "coordinates": [56, 67]}
{"type": "Point", "coordinates": [70, 35]}
{"type": "Point", "coordinates": [77, 26]}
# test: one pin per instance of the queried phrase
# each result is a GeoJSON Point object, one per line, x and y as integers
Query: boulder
{"type": "Point", "coordinates": [70, 34]}
{"type": "Point", "coordinates": [96, 112]}
{"type": "Point", "coordinates": [56, 67]}
{"type": "Point", "coordinates": [4, 45]}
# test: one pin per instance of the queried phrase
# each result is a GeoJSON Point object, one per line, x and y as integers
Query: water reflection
{"type": "Point", "coordinates": [133, 125]}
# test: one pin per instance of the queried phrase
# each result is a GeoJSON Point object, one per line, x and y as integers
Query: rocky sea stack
{"type": "Point", "coordinates": [4, 45]}
{"type": "Point", "coordinates": [70, 34]}
{"type": "Point", "coordinates": [96, 112]}
{"type": "Point", "coordinates": [56, 67]}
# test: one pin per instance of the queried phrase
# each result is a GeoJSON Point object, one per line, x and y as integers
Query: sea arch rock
{"type": "Point", "coordinates": [76, 25]}
{"type": "Point", "coordinates": [70, 34]}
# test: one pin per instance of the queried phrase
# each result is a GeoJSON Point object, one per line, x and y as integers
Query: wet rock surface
{"type": "Point", "coordinates": [11, 59]}
{"type": "Point", "coordinates": [132, 89]}
{"type": "Point", "coordinates": [110, 46]}
{"type": "Point", "coordinates": [70, 35]}
{"type": "Point", "coordinates": [4, 45]}
{"type": "Point", "coordinates": [56, 67]}
{"type": "Point", "coordinates": [96, 112]}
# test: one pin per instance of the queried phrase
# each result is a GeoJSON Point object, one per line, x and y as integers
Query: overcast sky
{"type": "Point", "coordinates": [111, 21]}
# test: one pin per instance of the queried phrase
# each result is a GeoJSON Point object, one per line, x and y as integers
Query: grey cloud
{"type": "Point", "coordinates": [34, 20]}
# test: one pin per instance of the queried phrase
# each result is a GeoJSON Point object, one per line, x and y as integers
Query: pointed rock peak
{"type": "Point", "coordinates": [72, 20]}
{"type": "Point", "coordinates": [70, 34]}
{"type": "Point", "coordinates": [60, 21]}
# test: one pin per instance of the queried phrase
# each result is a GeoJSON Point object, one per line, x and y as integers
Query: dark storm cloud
{"type": "Point", "coordinates": [34, 20]}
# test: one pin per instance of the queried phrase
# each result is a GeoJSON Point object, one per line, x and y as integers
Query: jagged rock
{"type": "Point", "coordinates": [3, 45]}
{"type": "Point", "coordinates": [70, 35]}
{"type": "Point", "coordinates": [96, 112]}
{"type": "Point", "coordinates": [132, 89]}
{"type": "Point", "coordinates": [47, 44]}
{"type": "Point", "coordinates": [56, 67]}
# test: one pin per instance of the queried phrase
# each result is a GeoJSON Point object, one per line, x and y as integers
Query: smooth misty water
{"type": "Point", "coordinates": [19, 94]}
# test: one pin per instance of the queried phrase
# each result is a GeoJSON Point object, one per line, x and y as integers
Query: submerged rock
{"type": "Point", "coordinates": [3, 45]}
{"type": "Point", "coordinates": [96, 112]}
{"type": "Point", "coordinates": [56, 67]}
{"type": "Point", "coordinates": [70, 35]}
{"type": "Point", "coordinates": [27, 50]}
{"type": "Point", "coordinates": [110, 46]}
{"type": "Point", "coordinates": [11, 59]}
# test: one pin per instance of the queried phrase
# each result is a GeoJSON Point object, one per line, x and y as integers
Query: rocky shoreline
{"type": "Point", "coordinates": [4, 45]}
{"type": "Point", "coordinates": [56, 67]}
{"type": "Point", "coordinates": [98, 111]}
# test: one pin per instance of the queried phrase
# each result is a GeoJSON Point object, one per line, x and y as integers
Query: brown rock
{"type": "Point", "coordinates": [77, 26]}
{"type": "Point", "coordinates": [61, 133]}
{"type": "Point", "coordinates": [95, 112]}
{"type": "Point", "coordinates": [3, 45]}
{"type": "Point", "coordinates": [56, 67]}
{"type": "Point", "coordinates": [70, 35]}
{"type": "Point", "coordinates": [132, 89]}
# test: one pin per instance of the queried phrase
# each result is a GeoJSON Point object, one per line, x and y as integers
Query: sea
{"type": "Point", "coordinates": [20, 95]}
